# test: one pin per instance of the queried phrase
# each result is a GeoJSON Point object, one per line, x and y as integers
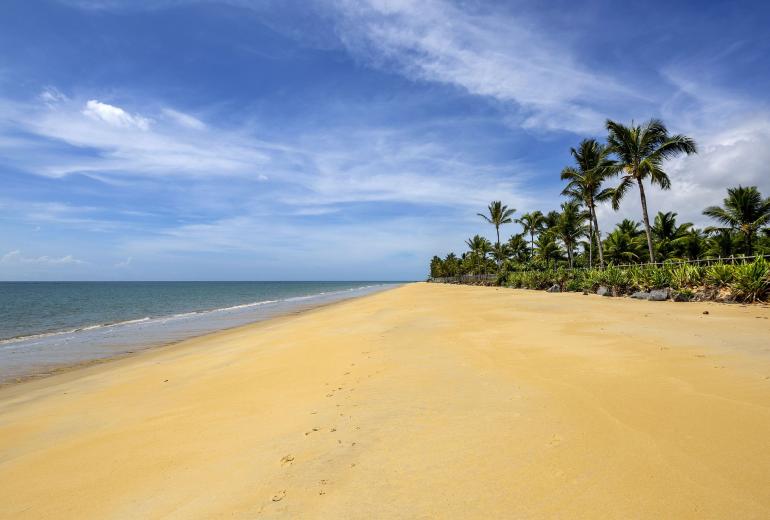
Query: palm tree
{"type": "Point", "coordinates": [640, 151]}
{"type": "Point", "coordinates": [745, 211]}
{"type": "Point", "coordinates": [570, 228]}
{"type": "Point", "coordinates": [451, 265]}
{"type": "Point", "coordinates": [721, 243]}
{"type": "Point", "coordinates": [480, 248]}
{"type": "Point", "coordinates": [585, 183]}
{"type": "Point", "coordinates": [532, 224]}
{"type": "Point", "coordinates": [499, 214]}
{"type": "Point", "coordinates": [517, 248]}
{"type": "Point", "coordinates": [547, 248]}
{"type": "Point", "coordinates": [668, 235]}
{"type": "Point", "coordinates": [630, 227]}
{"type": "Point", "coordinates": [622, 247]}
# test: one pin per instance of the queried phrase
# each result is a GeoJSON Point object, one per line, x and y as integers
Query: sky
{"type": "Point", "coordinates": [342, 139]}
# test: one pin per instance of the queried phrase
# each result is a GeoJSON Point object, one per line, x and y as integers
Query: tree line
{"type": "Point", "coordinates": [608, 172]}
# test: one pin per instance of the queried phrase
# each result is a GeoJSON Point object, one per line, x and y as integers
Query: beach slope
{"type": "Point", "coordinates": [426, 401]}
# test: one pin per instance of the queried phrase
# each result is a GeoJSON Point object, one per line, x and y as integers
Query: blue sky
{"type": "Point", "coordinates": [340, 139]}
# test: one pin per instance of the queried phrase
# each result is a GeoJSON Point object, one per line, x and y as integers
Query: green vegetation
{"type": "Point", "coordinates": [565, 249]}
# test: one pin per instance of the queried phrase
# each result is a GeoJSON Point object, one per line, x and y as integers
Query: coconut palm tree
{"type": "Point", "coordinates": [721, 242]}
{"type": "Point", "coordinates": [585, 184]}
{"type": "Point", "coordinates": [451, 265]}
{"type": "Point", "coordinates": [499, 214]}
{"type": "Point", "coordinates": [745, 211]}
{"type": "Point", "coordinates": [640, 152]}
{"type": "Point", "coordinates": [479, 249]}
{"type": "Point", "coordinates": [630, 227]}
{"type": "Point", "coordinates": [517, 248]}
{"type": "Point", "coordinates": [621, 247]}
{"type": "Point", "coordinates": [668, 235]}
{"type": "Point", "coordinates": [532, 223]}
{"type": "Point", "coordinates": [570, 228]}
{"type": "Point", "coordinates": [547, 249]}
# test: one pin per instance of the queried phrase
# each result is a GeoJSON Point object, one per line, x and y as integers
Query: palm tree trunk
{"type": "Point", "coordinates": [646, 220]}
{"type": "Point", "coordinates": [531, 245]}
{"type": "Point", "coordinates": [499, 260]}
{"type": "Point", "coordinates": [590, 243]}
{"type": "Point", "coordinates": [598, 238]}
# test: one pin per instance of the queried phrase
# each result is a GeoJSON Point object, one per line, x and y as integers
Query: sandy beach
{"type": "Point", "coordinates": [426, 401]}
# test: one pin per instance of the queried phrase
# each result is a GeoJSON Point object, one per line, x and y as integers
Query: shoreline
{"type": "Point", "coordinates": [43, 374]}
{"type": "Point", "coordinates": [422, 401]}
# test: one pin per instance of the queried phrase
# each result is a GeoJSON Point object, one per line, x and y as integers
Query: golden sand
{"type": "Point", "coordinates": [427, 401]}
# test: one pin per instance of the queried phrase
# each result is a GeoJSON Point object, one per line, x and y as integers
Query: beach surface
{"type": "Point", "coordinates": [426, 401]}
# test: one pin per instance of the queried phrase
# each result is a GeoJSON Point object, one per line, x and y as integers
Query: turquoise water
{"type": "Point", "coordinates": [44, 325]}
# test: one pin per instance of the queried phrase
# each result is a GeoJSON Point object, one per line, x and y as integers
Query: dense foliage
{"type": "Point", "coordinates": [745, 281]}
{"type": "Point", "coordinates": [566, 247]}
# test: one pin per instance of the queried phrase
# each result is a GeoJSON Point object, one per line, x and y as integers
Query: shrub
{"type": "Point", "coordinates": [684, 276]}
{"type": "Point", "coordinates": [751, 281]}
{"type": "Point", "coordinates": [719, 275]}
{"type": "Point", "coordinates": [615, 278]}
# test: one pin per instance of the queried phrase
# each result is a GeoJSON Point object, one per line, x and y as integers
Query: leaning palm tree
{"type": "Point", "coordinates": [532, 224]}
{"type": "Point", "coordinates": [499, 214]}
{"type": "Point", "coordinates": [585, 184]}
{"type": "Point", "coordinates": [745, 211]}
{"type": "Point", "coordinates": [640, 152]}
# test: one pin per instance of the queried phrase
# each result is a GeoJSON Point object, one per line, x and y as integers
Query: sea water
{"type": "Point", "coordinates": [46, 325]}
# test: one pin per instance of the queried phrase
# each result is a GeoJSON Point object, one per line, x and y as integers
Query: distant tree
{"type": "Point", "coordinates": [499, 214]}
{"type": "Point", "coordinates": [547, 250]}
{"type": "Point", "coordinates": [669, 237]}
{"type": "Point", "coordinates": [570, 228]}
{"type": "Point", "coordinates": [745, 211]}
{"type": "Point", "coordinates": [517, 248]}
{"type": "Point", "coordinates": [640, 152]}
{"type": "Point", "coordinates": [532, 223]}
{"type": "Point", "coordinates": [480, 248]}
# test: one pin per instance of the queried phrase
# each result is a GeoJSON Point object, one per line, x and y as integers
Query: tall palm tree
{"type": "Point", "coordinates": [745, 211]}
{"type": "Point", "coordinates": [570, 228]}
{"type": "Point", "coordinates": [640, 152]}
{"type": "Point", "coordinates": [532, 223]}
{"type": "Point", "coordinates": [499, 214]}
{"type": "Point", "coordinates": [585, 184]}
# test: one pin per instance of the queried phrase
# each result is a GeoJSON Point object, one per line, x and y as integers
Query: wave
{"type": "Point", "coordinates": [172, 317]}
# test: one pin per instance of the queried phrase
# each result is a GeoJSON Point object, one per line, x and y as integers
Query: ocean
{"type": "Point", "coordinates": [47, 325]}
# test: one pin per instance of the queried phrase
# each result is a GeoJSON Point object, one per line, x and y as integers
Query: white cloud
{"type": "Point", "coordinates": [16, 257]}
{"type": "Point", "coordinates": [183, 119]}
{"type": "Point", "coordinates": [489, 54]}
{"type": "Point", "coordinates": [114, 116]}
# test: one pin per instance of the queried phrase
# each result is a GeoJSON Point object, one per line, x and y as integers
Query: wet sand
{"type": "Point", "coordinates": [426, 401]}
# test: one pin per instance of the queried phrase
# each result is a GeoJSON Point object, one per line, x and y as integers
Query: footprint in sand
{"type": "Point", "coordinates": [555, 440]}
{"type": "Point", "coordinates": [279, 496]}
{"type": "Point", "coordinates": [287, 459]}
